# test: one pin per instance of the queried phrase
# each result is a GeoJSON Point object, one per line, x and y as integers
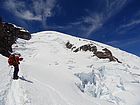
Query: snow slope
{"type": "Point", "coordinates": [51, 74]}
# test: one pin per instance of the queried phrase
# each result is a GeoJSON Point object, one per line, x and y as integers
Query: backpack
{"type": "Point", "coordinates": [10, 60]}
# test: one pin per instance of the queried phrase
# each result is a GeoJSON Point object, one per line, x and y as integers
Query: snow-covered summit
{"type": "Point", "coordinates": [54, 75]}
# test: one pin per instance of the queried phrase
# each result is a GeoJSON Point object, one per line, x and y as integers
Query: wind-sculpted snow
{"type": "Point", "coordinates": [54, 75]}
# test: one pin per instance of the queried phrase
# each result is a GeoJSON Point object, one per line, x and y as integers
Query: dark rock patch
{"type": "Point", "coordinates": [87, 47]}
{"type": "Point", "coordinates": [9, 33]}
{"type": "Point", "coordinates": [104, 54]}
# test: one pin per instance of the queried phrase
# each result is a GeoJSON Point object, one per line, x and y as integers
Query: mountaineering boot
{"type": "Point", "coordinates": [15, 78]}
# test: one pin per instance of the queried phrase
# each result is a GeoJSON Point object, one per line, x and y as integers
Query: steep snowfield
{"type": "Point", "coordinates": [51, 74]}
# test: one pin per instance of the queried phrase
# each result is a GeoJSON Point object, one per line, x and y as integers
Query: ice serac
{"type": "Point", "coordinates": [54, 74]}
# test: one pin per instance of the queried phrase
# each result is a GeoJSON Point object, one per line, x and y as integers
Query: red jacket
{"type": "Point", "coordinates": [14, 60]}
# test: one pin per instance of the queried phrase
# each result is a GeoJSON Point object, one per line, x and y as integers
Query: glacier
{"type": "Point", "coordinates": [51, 74]}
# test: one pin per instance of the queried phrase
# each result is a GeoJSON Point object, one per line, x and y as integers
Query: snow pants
{"type": "Point", "coordinates": [16, 70]}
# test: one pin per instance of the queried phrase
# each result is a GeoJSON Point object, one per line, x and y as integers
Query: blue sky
{"type": "Point", "coordinates": [113, 22]}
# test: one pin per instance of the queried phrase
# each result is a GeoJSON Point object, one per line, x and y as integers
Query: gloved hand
{"type": "Point", "coordinates": [20, 59]}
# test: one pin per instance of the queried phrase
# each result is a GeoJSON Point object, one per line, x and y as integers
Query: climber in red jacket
{"type": "Point", "coordinates": [14, 60]}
